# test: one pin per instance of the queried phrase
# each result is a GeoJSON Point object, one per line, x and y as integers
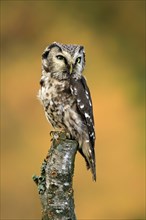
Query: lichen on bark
{"type": "Point", "coordinates": [55, 185]}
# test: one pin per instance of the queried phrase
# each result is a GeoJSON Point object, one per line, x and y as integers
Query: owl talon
{"type": "Point", "coordinates": [54, 135]}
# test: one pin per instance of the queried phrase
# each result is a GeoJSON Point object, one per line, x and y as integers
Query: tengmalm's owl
{"type": "Point", "coordinates": [66, 98]}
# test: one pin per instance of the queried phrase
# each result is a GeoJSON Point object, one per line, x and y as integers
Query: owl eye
{"type": "Point", "coordinates": [78, 60]}
{"type": "Point", "coordinates": [60, 57]}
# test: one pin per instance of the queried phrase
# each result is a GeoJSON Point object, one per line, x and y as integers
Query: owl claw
{"type": "Point", "coordinates": [59, 135]}
{"type": "Point", "coordinates": [54, 135]}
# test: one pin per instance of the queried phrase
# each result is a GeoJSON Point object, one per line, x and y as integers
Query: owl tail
{"type": "Point", "coordinates": [89, 155]}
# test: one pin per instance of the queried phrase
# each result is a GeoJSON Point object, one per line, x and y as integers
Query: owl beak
{"type": "Point", "coordinates": [71, 68]}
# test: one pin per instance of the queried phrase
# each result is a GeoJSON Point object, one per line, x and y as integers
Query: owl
{"type": "Point", "coordinates": [66, 98]}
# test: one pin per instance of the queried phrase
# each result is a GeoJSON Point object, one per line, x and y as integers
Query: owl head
{"type": "Point", "coordinates": [63, 60]}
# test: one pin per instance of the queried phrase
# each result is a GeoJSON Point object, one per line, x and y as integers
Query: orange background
{"type": "Point", "coordinates": [113, 34]}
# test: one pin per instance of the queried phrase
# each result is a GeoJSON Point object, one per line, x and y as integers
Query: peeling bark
{"type": "Point", "coordinates": [56, 180]}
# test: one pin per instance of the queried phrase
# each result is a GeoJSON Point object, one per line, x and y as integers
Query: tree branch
{"type": "Point", "coordinates": [56, 180]}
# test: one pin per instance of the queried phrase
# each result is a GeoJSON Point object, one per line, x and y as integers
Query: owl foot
{"type": "Point", "coordinates": [59, 135]}
{"type": "Point", "coordinates": [54, 135]}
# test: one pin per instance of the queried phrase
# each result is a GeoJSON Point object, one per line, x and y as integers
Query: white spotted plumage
{"type": "Point", "coordinates": [87, 115]}
{"type": "Point", "coordinates": [82, 106]}
{"type": "Point", "coordinates": [66, 98]}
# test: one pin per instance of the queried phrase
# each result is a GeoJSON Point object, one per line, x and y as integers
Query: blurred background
{"type": "Point", "coordinates": [113, 33]}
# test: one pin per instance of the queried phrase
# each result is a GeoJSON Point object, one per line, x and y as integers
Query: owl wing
{"type": "Point", "coordinates": [81, 91]}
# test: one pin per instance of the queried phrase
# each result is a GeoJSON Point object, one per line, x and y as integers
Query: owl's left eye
{"type": "Point", "coordinates": [60, 57]}
{"type": "Point", "coordinates": [78, 60]}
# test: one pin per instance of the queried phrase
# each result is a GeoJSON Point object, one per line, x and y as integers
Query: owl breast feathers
{"type": "Point", "coordinates": [66, 98]}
